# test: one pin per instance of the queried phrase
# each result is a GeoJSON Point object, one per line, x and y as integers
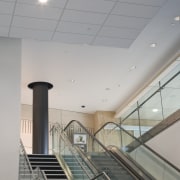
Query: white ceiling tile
{"type": "Point", "coordinates": [79, 28]}
{"type": "Point", "coordinates": [52, 3]}
{"type": "Point", "coordinates": [6, 7]}
{"type": "Point", "coordinates": [91, 5]}
{"type": "Point", "coordinates": [4, 31]}
{"type": "Point", "coordinates": [72, 38]}
{"type": "Point", "coordinates": [119, 32]}
{"type": "Point", "coordinates": [37, 11]}
{"type": "Point", "coordinates": [114, 42]}
{"type": "Point", "coordinates": [33, 23]}
{"type": "Point", "coordinates": [127, 22]}
{"type": "Point", "coordinates": [135, 10]}
{"type": "Point", "coordinates": [83, 17]}
{"type": "Point", "coordinates": [5, 20]}
{"type": "Point", "coordinates": [145, 2]}
{"type": "Point", "coordinates": [29, 33]}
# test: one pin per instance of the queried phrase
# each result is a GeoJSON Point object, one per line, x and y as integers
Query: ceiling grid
{"type": "Point", "coordinates": [115, 23]}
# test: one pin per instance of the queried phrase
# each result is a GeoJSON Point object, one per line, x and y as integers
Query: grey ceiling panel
{"type": "Point", "coordinates": [38, 12]}
{"type": "Point", "coordinates": [99, 6]}
{"type": "Point", "coordinates": [83, 17]}
{"type": "Point", "coordinates": [30, 34]}
{"type": "Point", "coordinates": [34, 23]}
{"type": "Point", "coordinates": [5, 20]}
{"type": "Point", "coordinates": [72, 38]}
{"type": "Point", "coordinates": [127, 22]}
{"type": "Point", "coordinates": [6, 7]}
{"type": "Point", "coordinates": [51, 3]}
{"type": "Point", "coordinates": [117, 42]}
{"type": "Point", "coordinates": [135, 10]}
{"type": "Point", "coordinates": [119, 32]}
{"type": "Point", "coordinates": [92, 21]}
{"type": "Point", "coordinates": [145, 2]}
{"type": "Point", "coordinates": [79, 28]}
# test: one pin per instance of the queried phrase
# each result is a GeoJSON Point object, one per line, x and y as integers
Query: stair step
{"type": "Point", "coordinates": [49, 164]}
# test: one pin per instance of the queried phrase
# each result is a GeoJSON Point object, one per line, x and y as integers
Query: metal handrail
{"type": "Point", "coordinates": [71, 149]}
{"type": "Point", "coordinates": [88, 161]}
{"type": "Point", "coordinates": [130, 162]}
{"type": "Point", "coordinates": [29, 164]}
{"type": "Point", "coordinates": [99, 143]}
{"type": "Point", "coordinates": [26, 157]}
{"type": "Point", "coordinates": [101, 174]}
{"type": "Point", "coordinates": [141, 143]}
{"type": "Point", "coordinates": [161, 87]}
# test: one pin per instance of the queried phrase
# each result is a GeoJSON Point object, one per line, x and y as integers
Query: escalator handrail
{"type": "Point", "coordinates": [141, 143]}
{"type": "Point", "coordinates": [126, 158]}
{"type": "Point", "coordinates": [86, 160]}
{"type": "Point", "coordinates": [129, 169]}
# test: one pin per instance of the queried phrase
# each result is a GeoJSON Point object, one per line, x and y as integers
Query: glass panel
{"type": "Point", "coordinates": [158, 168]}
{"type": "Point", "coordinates": [171, 96]}
{"type": "Point", "coordinates": [97, 153]}
{"type": "Point", "coordinates": [128, 112]}
{"type": "Point", "coordinates": [131, 124]}
{"type": "Point", "coordinates": [151, 113]}
{"type": "Point", "coordinates": [170, 74]}
{"type": "Point", "coordinates": [142, 155]}
{"type": "Point", "coordinates": [155, 105]}
{"type": "Point", "coordinates": [71, 152]}
{"type": "Point", "coordinates": [25, 169]}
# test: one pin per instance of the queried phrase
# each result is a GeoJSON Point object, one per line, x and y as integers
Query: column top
{"type": "Point", "coordinates": [40, 83]}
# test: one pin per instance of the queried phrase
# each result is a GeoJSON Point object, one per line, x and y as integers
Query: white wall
{"type": "Point", "coordinates": [10, 67]}
{"type": "Point", "coordinates": [167, 144]}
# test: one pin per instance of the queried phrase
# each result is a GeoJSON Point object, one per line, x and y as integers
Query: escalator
{"type": "Point", "coordinates": [122, 143]}
{"type": "Point", "coordinates": [97, 162]}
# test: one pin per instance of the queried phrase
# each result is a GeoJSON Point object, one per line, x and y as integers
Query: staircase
{"type": "Point", "coordinates": [110, 166]}
{"type": "Point", "coordinates": [48, 164]}
{"type": "Point", "coordinates": [76, 169]}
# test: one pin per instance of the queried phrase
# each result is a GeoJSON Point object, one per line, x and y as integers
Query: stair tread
{"type": "Point", "coordinates": [49, 164]}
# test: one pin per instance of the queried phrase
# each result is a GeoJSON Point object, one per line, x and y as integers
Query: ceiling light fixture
{"type": "Point", "coordinates": [155, 110]}
{"type": "Point", "coordinates": [107, 89]}
{"type": "Point", "coordinates": [153, 45]}
{"type": "Point", "coordinates": [177, 18]}
{"type": "Point", "coordinates": [132, 68]}
{"type": "Point", "coordinates": [73, 81]}
{"type": "Point", "coordinates": [43, 1]}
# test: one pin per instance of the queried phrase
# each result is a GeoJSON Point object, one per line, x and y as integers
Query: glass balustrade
{"type": "Point", "coordinates": [25, 170]}
{"type": "Point", "coordinates": [157, 104]}
{"type": "Point", "coordinates": [96, 152]}
{"type": "Point", "coordinates": [138, 152]}
{"type": "Point", "coordinates": [73, 160]}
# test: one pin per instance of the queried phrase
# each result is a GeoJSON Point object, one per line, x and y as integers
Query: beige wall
{"type": "Point", "coordinates": [102, 117]}
{"type": "Point", "coordinates": [62, 117]}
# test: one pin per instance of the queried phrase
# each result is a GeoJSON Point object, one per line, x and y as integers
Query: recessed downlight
{"type": "Point", "coordinates": [132, 68]}
{"type": "Point", "coordinates": [73, 80]}
{"type": "Point", "coordinates": [155, 110]}
{"type": "Point", "coordinates": [43, 1]}
{"type": "Point", "coordinates": [177, 18]}
{"type": "Point", "coordinates": [107, 89]}
{"type": "Point", "coordinates": [153, 45]}
{"type": "Point", "coordinates": [83, 106]}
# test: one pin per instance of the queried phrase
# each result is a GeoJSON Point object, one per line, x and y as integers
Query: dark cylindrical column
{"type": "Point", "coordinates": [40, 137]}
